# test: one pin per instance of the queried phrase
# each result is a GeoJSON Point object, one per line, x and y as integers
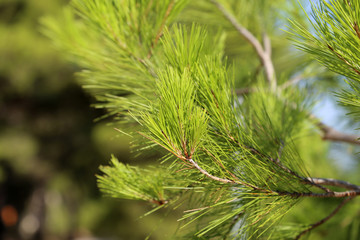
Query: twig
{"type": "Point", "coordinates": [267, 62]}
{"type": "Point", "coordinates": [322, 221]}
{"type": "Point", "coordinates": [334, 135]}
{"type": "Point", "coordinates": [350, 193]}
{"type": "Point", "coordinates": [263, 54]}
{"type": "Point", "coordinates": [267, 44]}
{"type": "Point", "coordinates": [334, 182]}
{"type": "Point", "coordinates": [220, 163]}
{"type": "Point", "coordinates": [291, 82]}
{"type": "Point", "coordinates": [280, 151]}
{"type": "Point", "coordinates": [208, 174]}
{"type": "Point", "coordinates": [223, 180]}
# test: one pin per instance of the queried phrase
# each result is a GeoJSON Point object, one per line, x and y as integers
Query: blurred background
{"type": "Point", "coordinates": [50, 145]}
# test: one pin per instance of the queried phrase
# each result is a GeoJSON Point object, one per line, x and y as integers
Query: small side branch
{"type": "Point", "coordinates": [208, 174]}
{"type": "Point", "coordinates": [285, 169]}
{"type": "Point", "coordinates": [334, 135]}
{"type": "Point", "coordinates": [335, 183]}
{"type": "Point", "coordinates": [322, 221]}
{"type": "Point", "coordinates": [293, 81]}
{"type": "Point", "coordinates": [350, 193]}
{"type": "Point", "coordinates": [264, 53]}
{"type": "Point", "coordinates": [223, 180]}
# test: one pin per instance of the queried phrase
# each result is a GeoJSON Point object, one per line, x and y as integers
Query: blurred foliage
{"type": "Point", "coordinates": [50, 147]}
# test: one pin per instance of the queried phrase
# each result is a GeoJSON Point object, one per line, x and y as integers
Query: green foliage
{"type": "Point", "coordinates": [122, 181]}
{"type": "Point", "coordinates": [178, 125]}
{"type": "Point", "coordinates": [233, 160]}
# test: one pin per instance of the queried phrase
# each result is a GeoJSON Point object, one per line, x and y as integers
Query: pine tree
{"type": "Point", "coordinates": [213, 86]}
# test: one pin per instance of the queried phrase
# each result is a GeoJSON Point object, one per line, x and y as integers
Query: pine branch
{"type": "Point", "coordinates": [291, 172]}
{"type": "Point", "coordinates": [281, 166]}
{"type": "Point", "coordinates": [316, 182]}
{"type": "Point", "coordinates": [264, 53]}
{"type": "Point", "coordinates": [322, 221]}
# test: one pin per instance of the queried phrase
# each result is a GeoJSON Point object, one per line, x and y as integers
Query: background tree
{"type": "Point", "coordinates": [236, 134]}
{"type": "Point", "coordinates": [50, 147]}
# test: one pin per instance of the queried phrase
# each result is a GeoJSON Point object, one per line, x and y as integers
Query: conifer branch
{"type": "Point", "coordinates": [355, 190]}
{"type": "Point", "coordinates": [264, 53]}
{"type": "Point", "coordinates": [328, 194]}
{"type": "Point", "coordinates": [281, 166]}
{"type": "Point", "coordinates": [322, 221]}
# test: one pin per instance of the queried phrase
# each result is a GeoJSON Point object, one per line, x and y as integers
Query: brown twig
{"type": "Point", "coordinates": [322, 221]}
{"type": "Point", "coordinates": [223, 180]}
{"type": "Point", "coordinates": [334, 135]}
{"type": "Point", "coordinates": [334, 182]}
{"type": "Point", "coordinates": [220, 163]}
{"type": "Point", "coordinates": [355, 190]}
{"type": "Point", "coordinates": [350, 193]}
{"type": "Point", "coordinates": [208, 174]}
{"type": "Point", "coordinates": [264, 54]}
